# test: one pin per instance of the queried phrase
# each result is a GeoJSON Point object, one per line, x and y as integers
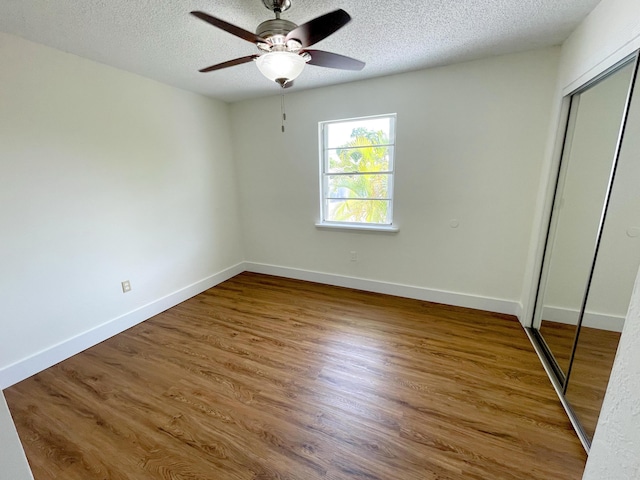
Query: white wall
{"type": "Point", "coordinates": [104, 176]}
{"type": "Point", "coordinates": [13, 463]}
{"type": "Point", "coordinates": [470, 139]}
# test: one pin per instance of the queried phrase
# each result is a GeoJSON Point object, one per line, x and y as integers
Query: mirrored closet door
{"type": "Point", "coordinates": [592, 250]}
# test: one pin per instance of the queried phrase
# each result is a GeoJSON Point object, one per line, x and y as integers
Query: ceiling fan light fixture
{"type": "Point", "coordinates": [278, 66]}
{"type": "Point", "coordinates": [285, 45]}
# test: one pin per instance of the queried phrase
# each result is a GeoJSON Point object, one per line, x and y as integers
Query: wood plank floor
{"type": "Point", "coordinates": [270, 378]}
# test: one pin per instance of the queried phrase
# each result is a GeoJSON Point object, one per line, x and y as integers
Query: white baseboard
{"type": "Point", "coordinates": [22, 369]}
{"type": "Point", "coordinates": [399, 290]}
{"type": "Point", "coordinates": [593, 320]}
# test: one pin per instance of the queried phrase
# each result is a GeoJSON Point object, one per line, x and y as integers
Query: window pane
{"type": "Point", "coordinates": [357, 168]}
{"type": "Point", "coordinates": [358, 186]}
{"type": "Point", "coordinates": [360, 211]}
{"type": "Point", "coordinates": [370, 131]}
{"type": "Point", "coordinates": [367, 159]}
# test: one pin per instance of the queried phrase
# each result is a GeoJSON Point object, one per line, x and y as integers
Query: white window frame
{"type": "Point", "coordinates": [324, 151]}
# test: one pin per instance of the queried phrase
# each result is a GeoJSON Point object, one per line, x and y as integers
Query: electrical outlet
{"type": "Point", "coordinates": [126, 286]}
{"type": "Point", "coordinates": [354, 256]}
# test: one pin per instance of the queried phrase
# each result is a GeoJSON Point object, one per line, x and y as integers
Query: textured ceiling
{"type": "Point", "coordinates": [160, 40]}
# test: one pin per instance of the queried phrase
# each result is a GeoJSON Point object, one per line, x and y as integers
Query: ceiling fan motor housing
{"type": "Point", "coordinates": [274, 27]}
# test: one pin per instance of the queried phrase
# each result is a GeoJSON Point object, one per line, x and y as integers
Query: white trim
{"type": "Point", "coordinates": [369, 227]}
{"type": "Point", "coordinates": [323, 148]}
{"type": "Point", "coordinates": [520, 313]}
{"type": "Point", "coordinates": [408, 291]}
{"type": "Point", "coordinates": [567, 316]}
{"type": "Point", "coordinates": [629, 48]}
{"type": "Point", "coordinates": [26, 367]}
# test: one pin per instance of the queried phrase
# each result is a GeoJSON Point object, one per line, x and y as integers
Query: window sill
{"type": "Point", "coordinates": [358, 227]}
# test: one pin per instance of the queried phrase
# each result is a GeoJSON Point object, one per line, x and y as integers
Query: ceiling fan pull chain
{"type": "Point", "coordinates": [284, 114]}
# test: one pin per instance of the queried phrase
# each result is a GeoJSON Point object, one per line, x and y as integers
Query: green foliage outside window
{"type": "Point", "coordinates": [364, 195]}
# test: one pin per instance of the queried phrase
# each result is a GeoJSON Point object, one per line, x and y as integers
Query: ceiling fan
{"type": "Point", "coordinates": [284, 45]}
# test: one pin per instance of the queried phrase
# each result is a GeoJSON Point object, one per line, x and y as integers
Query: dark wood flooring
{"type": "Point", "coordinates": [270, 378]}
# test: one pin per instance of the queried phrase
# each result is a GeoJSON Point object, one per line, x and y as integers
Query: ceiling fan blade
{"type": "Point", "coordinates": [230, 63]}
{"type": "Point", "coordinates": [319, 28]}
{"type": "Point", "coordinates": [228, 27]}
{"type": "Point", "coordinates": [333, 60]}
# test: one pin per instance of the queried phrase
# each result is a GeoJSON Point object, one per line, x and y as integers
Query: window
{"type": "Point", "coordinates": [356, 171]}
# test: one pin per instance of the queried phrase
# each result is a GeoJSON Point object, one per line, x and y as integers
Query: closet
{"type": "Point", "coordinates": [592, 248]}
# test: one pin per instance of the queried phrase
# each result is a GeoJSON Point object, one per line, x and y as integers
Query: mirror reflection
{"type": "Point", "coordinates": [616, 265]}
{"type": "Point", "coordinates": [590, 144]}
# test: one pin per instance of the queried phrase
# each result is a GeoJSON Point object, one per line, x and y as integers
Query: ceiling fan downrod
{"type": "Point", "coordinates": [277, 6]}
